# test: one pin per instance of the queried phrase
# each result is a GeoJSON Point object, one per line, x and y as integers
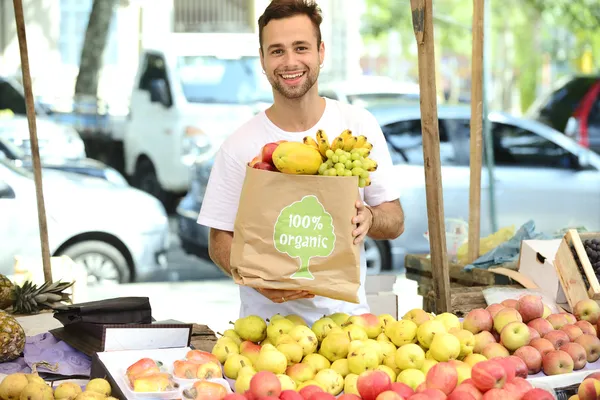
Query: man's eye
{"type": "Point", "coordinates": [301, 48]}
{"type": "Point", "coordinates": [276, 52]}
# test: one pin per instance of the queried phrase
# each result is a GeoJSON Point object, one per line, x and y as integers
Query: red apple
{"type": "Point", "coordinates": [509, 303]}
{"type": "Point", "coordinates": [557, 320]}
{"type": "Point", "coordinates": [482, 339]}
{"type": "Point", "coordinates": [468, 389]}
{"type": "Point", "coordinates": [321, 396]}
{"type": "Point", "coordinates": [498, 394]}
{"type": "Point", "coordinates": [572, 331]}
{"type": "Point", "coordinates": [538, 394]}
{"type": "Point", "coordinates": [267, 152]}
{"type": "Point", "coordinates": [591, 344]}
{"type": "Point", "coordinates": [429, 394]}
{"type": "Point", "coordinates": [586, 327]}
{"type": "Point", "coordinates": [577, 353]}
{"type": "Point", "coordinates": [265, 166]}
{"type": "Point", "coordinates": [494, 350]}
{"type": "Point", "coordinates": [442, 376]}
{"type": "Point", "coordinates": [589, 389]}
{"type": "Point", "coordinates": [263, 384]}
{"type": "Point", "coordinates": [389, 395]}
{"type": "Point", "coordinates": [509, 367]}
{"type": "Point", "coordinates": [530, 307]}
{"type": "Point", "coordinates": [533, 334]}
{"type": "Point", "coordinates": [254, 161]}
{"type": "Point", "coordinates": [478, 320]}
{"type": "Point", "coordinates": [307, 391]}
{"type": "Point", "coordinates": [557, 362]}
{"type": "Point", "coordinates": [587, 310]}
{"type": "Point", "coordinates": [521, 370]}
{"type": "Point", "coordinates": [494, 308]}
{"type": "Point", "coordinates": [349, 396]}
{"type": "Point", "coordinates": [531, 357]}
{"type": "Point", "coordinates": [371, 383]}
{"type": "Point", "coordinates": [237, 396]}
{"type": "Point", "coordinates": [571, 319]}
{"type": "Point", "coordinates": [487, 375]}
{"type": "Point", "coordinates": [402, 389]}
{"type": "Point", "coordinates": [290, 395]}
{"type": "Point", "coordinates": [541, 325]}
{"type": "Point", "coordinates": [557, 338]}
{"type": "Point", "coordinates": [461, 396]}
{"type": "Point", "coordinates": [593, 375]}
{"type": "Point", "coordinates": [542, 345]}
{"type": "Point", "coordinates": [519, 386]}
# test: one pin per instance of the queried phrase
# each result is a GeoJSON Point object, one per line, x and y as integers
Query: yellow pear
{"type": "Point", "coordinates": [287, 383]}
{"type": "Point", "coordinates": [252, 328]}
{"type": "Point", "coordinates": [67, 391]}
{"type": "Point", "coordinates": [271, 360]}
{"type": "Point", "coordinates": [296, 319]}
{"type": "Point", "coordinates": [99, 385]}
{"type": "Point", "coordinates": [362, 360]}
{"type": "Point", "coordinates": [242, 383]}
{"type": "Point", "coordinates": [335, 345]}
{"type": "Point", "coordinates": [411, 377]}
{"type": "Point", "coordinates": [306, 338]}
{"type": "Point", "coordinates": [341, 367]}
{"type": "Point", "coordinates": [339, 318]}
{"type": "Point", "coordinates": [292, 351]}
{"type": "Point", "coordinates": [309, 383]}
{"type": "Point", "coordinates": [391, 373]}
{"type": "Point", "coordinates": [330, 380]}
{"type": "Point", "coordinates": [445, 347]}
{"type": "Point", "coordinates": [449, 320]}
{"type": "Point", "coordinates": [387, 348]}
{"type": "Point", "coordinates": [467, 342]}
{"type": "Point", "coordinates": [12, 385]}
{"type": "Point", "coordinates": [401, 332]}
{"type": "Point", "coordinates": [317, 361]}
{"type": "Point", "coordinates": [427, 330]}
{"type": "Point", "coordinates": [356, 332]}
{"type": "Point", "coordinates": [322, 326]}
{"type": "Point", "coordinates": [386, 319]}
{"type": "Point", "coordinates": [234, 363]}
{"type": "Point", "coordinates": [410, 356]}
{"type": "Point", "coordinates": [232, 334]}
{"type": "Point", "coordinates": [350, 383]}
{"type": "Point", "coordinates": [224, 348]}
{"type": "Point", "coordinates": [279, 327]}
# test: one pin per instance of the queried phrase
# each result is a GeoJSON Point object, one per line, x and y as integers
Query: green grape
{"type": "Point", "coordinates": [355, 156]}
{"type": "Point", "coordinates": [335, 158]}
{"type": "Point", "coordinates": [357, 171]}
{"type": "Point", "coordinates": [339, 166]}
{"type": "Point", "coordinates": [322, 168]}
{"type": "Point", "coordinates": [347, 172]}
{"type": "Point", "coordinates": [331, 172]}
{"type": "Point", "coordinates": [339, 152]}
{"type": "Point", "coordinates": [329, 153]}
{"type": "Point", "coordinates": [341, 172]}
{"type": "Point", "coordinates": [342, 159]}
{"type": "Point", "coordinates": [364, 174]}
{"type": "Point", "coordinates": [348, 164]}
{"type": "Point", "coordinates": [362, 182]}
{"type": "Point", "coordinates": [353, 151]}
{"type": "Point", "coordinates": [329, 163]}
{"type": "Point", "coordinates": [357, 164]}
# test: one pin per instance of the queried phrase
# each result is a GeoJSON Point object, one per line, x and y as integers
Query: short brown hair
{"type": "Point", "coordinates": [279, 9]}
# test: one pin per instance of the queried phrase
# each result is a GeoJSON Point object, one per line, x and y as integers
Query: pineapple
{"type": "Point", "coordinates": [29, 298]}
{"type": "Point", "coordinates": [12, 338]}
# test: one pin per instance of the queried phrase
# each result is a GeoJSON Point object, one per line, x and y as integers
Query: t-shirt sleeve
{"type": "Point", "coordinates": [384, 184]}
{"type": "Point", "coordinates": [221, 199]}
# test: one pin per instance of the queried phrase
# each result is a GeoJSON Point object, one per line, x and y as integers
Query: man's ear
{"type": "Point", "coordinates": [322, 53]}
{"type": "Point", "coordinates": [262, 58]}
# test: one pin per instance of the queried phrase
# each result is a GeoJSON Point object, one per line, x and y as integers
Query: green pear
{"type": "Point", "coordinates": [322, 326]}
{"type": "Point", "coordinates": [341, 366]}
{"type": "Point", "coordinates": [335, 329]}
{"type": "Point", "coordinates": [305, 338]}
{"type": "Point", "coordinates": [355, 345]}
{"type": "Point", "coordinates": [362, 360]}
{"type": "Point", "coordinates": [330, 380]}
{"type": "Point", "coordinates": [296, 319]}
{"type": "Point", "coordinates": [252, 328]}
{"type": "Point", "coordinates": [386, 319]}
{"type": "Point", "coordinates": [278, 328]}
{"type": "Point", "coordinates": [267, 347]}
{"type": "Point", "coordinates": [247, 369]}
{"type": "Point", "coordinates": [317, 361]}
{"type": "Point", "coordinates": [234, 363]}
{"type": "Point", "coordinates": [231, 333]}
{"type": "Point", "coordinates": [271, 360]}
{"type": "Point", "coordinates": [275, 318]}
{"type": "Point", "coordinates": [356, 332]}
{"type": "Point", "coordinates": [375, 347]}
{"type": "Point", "coordinates": [292, 351]}
{"type": "Point", "coordinates": [224, 348]}
{"type": "Point", "coordinates": [242, 383]}
{"type": "Point", "coordinates": [339, 318]}
{"type": "Point", "coordinates": [387, 348]}
{"type": "Point", "coordinates": [335, 345]}
{"type": "Point", "coordinates": [285, 338]}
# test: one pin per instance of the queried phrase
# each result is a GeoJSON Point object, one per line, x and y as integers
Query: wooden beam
{"type": "Point", "coordinates": [422, 17]}
{"type": "Point", "coordinates": [35, 151]}
{"type": "Point", "coordinates": [476, 150]}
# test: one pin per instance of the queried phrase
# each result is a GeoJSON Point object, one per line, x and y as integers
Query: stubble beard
{"type": "Point", "coordinates": [297, 91]}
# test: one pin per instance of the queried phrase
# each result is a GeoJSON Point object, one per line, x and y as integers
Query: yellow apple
{"type": "Point", "coordinates": [427, 330]}
{"type": "Point", "coordinates": [474, 358]}
{"type": "Point", "coordinates": [449, 320]}
{"type": "Point", "coordinates": [409, 356]}
{"type": "Point", "coordinates": [411, 377]}
{"type": "Point", "coordinates": [417, 315]}
{"type": "Point", "coordinates": [350, 384]}
{"type": "Point", "coordinates": [467, 342]}
{"type": "Point", "coordinates": [401, 332]}
{"type": "Point", "coordinates": [427, 364]}
{"type": "Point", "coordinates": [444, 347]}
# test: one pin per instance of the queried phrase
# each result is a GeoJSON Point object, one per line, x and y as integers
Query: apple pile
{"type": "Point", "coordinates": [589, 389]}
{"type": "Point", "coordinates": [264, 160]}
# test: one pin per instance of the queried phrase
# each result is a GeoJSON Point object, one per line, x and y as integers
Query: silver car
{"type": "Point", "coordinates": [118, 233]}
{"type": "Point", "coordinates": [540, 175]}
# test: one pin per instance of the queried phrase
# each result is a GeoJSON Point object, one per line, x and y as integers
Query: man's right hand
{"type": "Point", "coordinates": [281, 296]}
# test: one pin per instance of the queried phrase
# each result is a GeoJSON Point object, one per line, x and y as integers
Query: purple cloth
{"type": "Point", "coordinates": [46, 348]}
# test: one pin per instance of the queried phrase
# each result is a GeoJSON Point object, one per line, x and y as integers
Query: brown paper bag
{"type": "Point", "coordinates": [295, 232]}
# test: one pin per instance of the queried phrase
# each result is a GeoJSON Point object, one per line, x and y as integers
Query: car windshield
{"type": "Point", "coordinates": [209, 79]}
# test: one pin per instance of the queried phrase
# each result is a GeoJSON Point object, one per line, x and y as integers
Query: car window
{"type": "Point", "coordinates": [155, 68]}
{"type": "Point", "coordinates": [405, 142]}
{"type": "Point", "coordinates": [515, 146]}
{"type": "Point", "coordinates": [6, 191]}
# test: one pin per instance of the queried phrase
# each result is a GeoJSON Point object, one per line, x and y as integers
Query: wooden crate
{"type": "Point", "coordinates": [462, 298]}
{"type": "Point", "coordinates": [571, 276]}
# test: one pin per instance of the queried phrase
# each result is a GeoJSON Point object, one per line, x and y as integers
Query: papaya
{"type": "Point", "coordinates": [297, 158]}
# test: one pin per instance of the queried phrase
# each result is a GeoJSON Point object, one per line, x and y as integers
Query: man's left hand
{"type": "Point", "coordinates": [363, 220]}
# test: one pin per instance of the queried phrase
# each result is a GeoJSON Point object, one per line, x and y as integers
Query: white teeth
{"type": "Point", "coordinates": [292, 76]}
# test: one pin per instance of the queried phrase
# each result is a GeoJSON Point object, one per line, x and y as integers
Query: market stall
{"type": "Point", "coordinates": [507, 341]}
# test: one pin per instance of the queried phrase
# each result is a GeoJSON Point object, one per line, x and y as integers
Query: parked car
{"type": "Point", "coordinates": [572, 107]}
{"type": "Point", "coordinates": [118, 233]}
{"type": "Point", "coordinates": [84, 166]}
{"type": "Point", "coordinates": [540, 174]}
{"type": "Point", "coordinates": [368, 91]}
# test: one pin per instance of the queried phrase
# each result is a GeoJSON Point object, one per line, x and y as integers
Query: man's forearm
{"type": "Point", "coordinates": [219, 249]}
{"type": "Point", "coordinates": [388, 221]}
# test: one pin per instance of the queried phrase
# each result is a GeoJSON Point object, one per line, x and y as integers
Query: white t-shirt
{"type": "Point", "coordinates": [220, 204]}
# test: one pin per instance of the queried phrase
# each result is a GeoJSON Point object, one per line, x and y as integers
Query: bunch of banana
{"type": "Point", "coordinates": [345, 141]}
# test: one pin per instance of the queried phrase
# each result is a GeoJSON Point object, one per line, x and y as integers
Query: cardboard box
{"type": "Point", "coordinates": [380, 294]}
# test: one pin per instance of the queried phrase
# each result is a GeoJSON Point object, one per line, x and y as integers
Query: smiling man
{"type": "Point", "coordinates": [292, 54]}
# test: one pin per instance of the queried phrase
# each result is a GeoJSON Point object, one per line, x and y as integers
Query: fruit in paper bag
{"type": "Point", "coordinates": [37, 391]}
{"type": "Point", "coordinates": [297, 158]}
{"type": "Point", "coordinates": [158, 382]}
{"type": "Point", "coordinates": [142, 367]}
{"type": "Point", "coordinates": [202, 390]}
{"type": "Point", "coordinates": [67, 391]}
{"type": "Point", "coordinates": [267, 152]}
{"type": "Point", "coordinates": [252, 328]}
{"type": "Point", "coordinates": [12, 386]}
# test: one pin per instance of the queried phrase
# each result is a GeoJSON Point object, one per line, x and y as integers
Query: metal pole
{"type": "Point", "coordinates": [487, 126]}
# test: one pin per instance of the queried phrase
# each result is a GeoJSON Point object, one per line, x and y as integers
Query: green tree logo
{"type": "Point", "coordinates": [304, 230]}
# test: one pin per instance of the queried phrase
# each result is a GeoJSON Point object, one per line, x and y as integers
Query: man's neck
{"type": "Point", "coordinates": [296, 115]}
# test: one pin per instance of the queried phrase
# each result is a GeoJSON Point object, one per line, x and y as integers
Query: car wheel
{"type": "Point", "coordinates": [377, 256]}
{"type": "Point", "coordinates": [103, 262]}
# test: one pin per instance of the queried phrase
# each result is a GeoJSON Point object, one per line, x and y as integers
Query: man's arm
{"type": "Point", "coordinates": [388, 220]}
{"type": "Point", "coordinates": [219, 248]}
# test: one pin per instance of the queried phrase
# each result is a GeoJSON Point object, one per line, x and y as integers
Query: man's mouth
{"type": "Point", "coordinates": [292, 77]}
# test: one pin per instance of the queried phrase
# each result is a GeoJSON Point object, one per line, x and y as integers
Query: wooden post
{"type": "Point", "coordinates": [35, 151]}
{"type": "Point", "coordinates": [476, 131]}
{"type": "Point", "coordinates": [422, 17]}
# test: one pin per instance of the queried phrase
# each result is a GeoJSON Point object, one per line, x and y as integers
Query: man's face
{"type": "Point", "coordinates": [291, 58]}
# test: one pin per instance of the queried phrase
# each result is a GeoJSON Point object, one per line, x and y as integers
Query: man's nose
{"type": "Point", "coordinates": [290, 58]}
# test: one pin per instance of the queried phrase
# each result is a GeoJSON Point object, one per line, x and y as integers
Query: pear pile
{"type": "Point", "coordinates": [33, 387]}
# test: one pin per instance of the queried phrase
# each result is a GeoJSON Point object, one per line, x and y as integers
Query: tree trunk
{"type": "Point", "coordinates": [96, 37]}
